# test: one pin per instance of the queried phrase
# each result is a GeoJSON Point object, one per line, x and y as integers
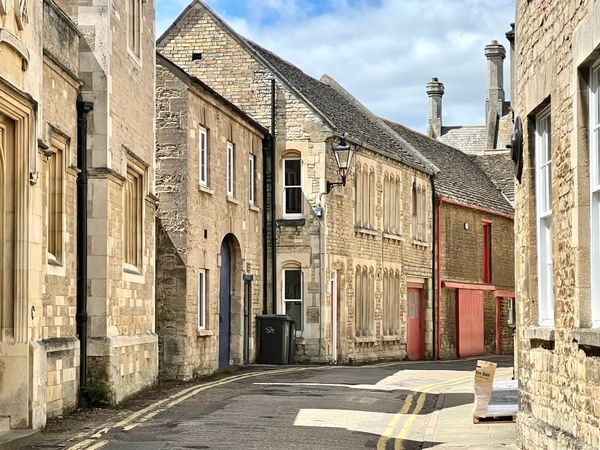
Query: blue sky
{"type": "Point", "coordinates": [382, 51]}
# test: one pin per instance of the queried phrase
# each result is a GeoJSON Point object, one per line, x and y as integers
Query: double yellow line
{"type": "Point", "coordinates": [93, 441]}
{"type": "Point", "coordinates": [388, 433]}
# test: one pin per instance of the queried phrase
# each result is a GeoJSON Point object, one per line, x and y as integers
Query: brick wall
{"type": "Point", "coordinates": [558, 367]}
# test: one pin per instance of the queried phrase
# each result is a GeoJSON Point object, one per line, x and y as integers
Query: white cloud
{"type": "Point", "coordinates": [384, 54]}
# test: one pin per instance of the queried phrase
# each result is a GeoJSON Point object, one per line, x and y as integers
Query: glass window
{"type": "Point", "coordinates": [203, 156]}
{"type": "Point", "coordinates": [230, 170]}
{"type": "Point", "coordinates": [252, 179]}
{"type": "Point", "coordinates": [543, 182]}
{"type": "Point", "coordinates": [292, 187]}
{"type": "Point", "coordinates": [134, 26]}
{"type": "Point", "coordinates": [132, 214]}
{"type": "Point", "coordinates": [594, 127]}
{"type": "Point", "coordinates": [55, 200]}
{"type": "Point", "coordinates": [202, 300]}
{"type": "Point", "coordinates": [292, 296]}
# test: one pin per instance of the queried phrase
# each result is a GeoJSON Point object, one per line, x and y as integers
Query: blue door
{"type": "Point", "coordinates": [224, 305]}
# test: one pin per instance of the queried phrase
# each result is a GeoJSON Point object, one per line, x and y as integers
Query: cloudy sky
{"type": "Point", "coordinates": [382, 51]}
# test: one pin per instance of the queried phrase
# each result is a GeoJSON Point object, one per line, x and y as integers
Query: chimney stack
{"type": "Point", "coordinates": [494, 105]}
{"type": "Point", "coordinates": [435, 91]}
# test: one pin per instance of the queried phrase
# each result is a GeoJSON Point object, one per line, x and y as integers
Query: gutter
{"type": "Point", "coordinates": [83, 108]}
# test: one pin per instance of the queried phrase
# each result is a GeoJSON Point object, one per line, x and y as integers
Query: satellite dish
{"type": "Point", "coordinates": [516, 146]}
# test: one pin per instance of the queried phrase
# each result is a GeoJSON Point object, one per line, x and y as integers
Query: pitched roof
{"type": "Point", "coordinates": [460, 178]}
{"type": "Point", "coordinates": [500, 168]}
{"type": "Point", "coordinates": [469, 139]}
{"type": "Point", "coordinates": [199, 84]}
{"type": "Point", "coordinates": [345, 113]}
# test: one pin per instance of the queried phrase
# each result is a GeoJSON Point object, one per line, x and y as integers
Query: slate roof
{"type": "Point", "coordinates": [361, 126]}
{"type": "Point", "coordinates": [461, 178]}
{"type": "Point", "coordinates": [500, 168]}
{"type": "Point", "coordinates": [469, 139]}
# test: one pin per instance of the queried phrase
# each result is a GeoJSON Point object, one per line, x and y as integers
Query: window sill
{"type": "Point", "coordinates": [137, 59]}
{"type": "Point", "coordinates": [366, 231]}
{"type": "Point", "coordinates": [393, 237]}
{"type": "Point", "coordinates": [421, 244]}
{"type": "Point", "coordinates": [587, 337]}
{"type": "Point", "coordinates": [366, 339]}
{"type": "Point", "coordinates": [540, 333]}
{"type": "Point", "coordinates": [391, 338]}
{"type": "Point", "coordinates": [254, 208]}
{"type": "Point", "coordinates": [206, 190]}
{"type": "Point", "coordinates": [290, 222]}
{"type": "Point", "coordinates": [233, 200]}
{"type": "Point", "coordinates": [53, 261]}
{"type": "Point", "coordinates": [205, 333]}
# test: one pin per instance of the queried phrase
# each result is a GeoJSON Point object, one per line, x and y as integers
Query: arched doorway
{"type": "Point", "coordinates": [225, 306]}
{"type": "Point", "coordinates": [231, 314]}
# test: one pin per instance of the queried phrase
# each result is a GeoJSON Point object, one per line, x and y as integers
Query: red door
{"type": "Point", "coordinates": [415, 323]}
{"type": "Point", "coordinates": [469, 323]}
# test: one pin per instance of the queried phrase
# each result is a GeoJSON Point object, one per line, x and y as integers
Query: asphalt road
{"type": "Point", "coordinates": [384, 406]}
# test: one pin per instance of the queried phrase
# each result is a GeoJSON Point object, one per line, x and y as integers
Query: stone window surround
{"type": "Point", "coordinates": [139, 168]}
{"type": "Point", "coordinates": [291, 156]}
{"type": "Point", "coordinates": [392, 298]}
{"type": "Point", "coordinates": [392, 195]}
{"type": "Point", "coordinates": [203, 155]}
{"type": "Point", "coordinates": [230, 177]}
{"type": "Point", "coordinates": [18, 108]}
{"type": "Point", "coordinates": [419, 212]}
{"type": "Point", "coordinates": [543, 190]}
{"type": "Point", "coordinates": [134, 18]}
{"type": "Point", "coordinates": [365, 197]}
{"type": "Point", "coordinates": [202, 291]}
{"type": "Point", "coordinates": [288, 267]}
{"type": "Point", "coordinates": [251, 179]}
{"type": "Point", "coordinates": [59, 142]}
{"type": "Point", "coordinates": [364, 303]}
{"type": "Point", "coordinates": [594, 182]}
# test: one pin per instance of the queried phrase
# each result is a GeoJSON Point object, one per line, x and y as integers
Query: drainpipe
{"type": "Point", "coordinates": [83, 108]}
{"type": "Point", "coordinates": [273, 196]}
{"type": "Point", "coordinates": [434, 289]}
{"type": "Point", "coordinates": [438, 284]}
{"type": "Point", "coordinates": [266, 147]}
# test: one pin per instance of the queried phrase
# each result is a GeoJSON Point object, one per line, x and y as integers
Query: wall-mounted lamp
{"type": "Point", "coordinates": [343, 154]}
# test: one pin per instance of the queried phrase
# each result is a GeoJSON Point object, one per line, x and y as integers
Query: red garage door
{"type": "Point", "coordinates": [469, 323]}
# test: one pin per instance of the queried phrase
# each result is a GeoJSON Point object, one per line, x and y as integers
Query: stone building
{"type": "Point", "coordinates": [343, 259]}
{"type": "Point", "coordinates": [210, 227]}
{"type": "Point", "coordinates": [556, 96]}
{"type": "Point", "coordinates": [117, 58]}
{"type": "Point", "coordinates": [474, 248]}
{"type": "Point", "coordinates": [45, 66]}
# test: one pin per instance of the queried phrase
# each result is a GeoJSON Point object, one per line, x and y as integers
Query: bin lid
{"type": "Point", "coordinates": [275, 317]}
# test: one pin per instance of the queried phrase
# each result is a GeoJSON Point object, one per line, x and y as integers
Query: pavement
{"type": "Point", "coordinates": [397, 405]}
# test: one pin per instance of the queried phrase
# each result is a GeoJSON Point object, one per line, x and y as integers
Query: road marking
{"type": "Point", "coordinates": [389, 430]}
{"type": "Point", "coordinates": [366, 387]}
{"type": "Point", "coordinates": [387, 434]}
{"type": "Point", "coordinates": [97, 445]}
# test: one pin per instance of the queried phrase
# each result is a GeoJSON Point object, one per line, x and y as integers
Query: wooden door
{"type": "Point", "coordinates": [415, 323]}
{"type": "Point", "coordinates": [469, 323]}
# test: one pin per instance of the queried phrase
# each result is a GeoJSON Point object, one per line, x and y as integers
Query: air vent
{"type": "Point", "coordinates": [196, 56]}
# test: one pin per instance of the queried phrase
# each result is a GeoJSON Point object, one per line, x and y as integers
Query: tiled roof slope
{"type": "Point", "coordinates": [460, 177]}
{"type": "Point", "coordinates": [469, 139]}
{"type": "Point", "coordinates": [500, 168]}
{"type": "Point", "coordinates": [346, 116]}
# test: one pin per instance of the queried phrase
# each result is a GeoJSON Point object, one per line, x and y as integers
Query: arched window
{"type": "Point", "coordinates": [415, 209]}
{"type": "Point", "coordinates": [358, 302]}
{"type": "Point", "coordinates": [365, 197]}
{"type": "Point", "coordinates": [358, 196]}
{"type": "Point", "coordinates": [292, 186]}
{"type": "Point", "coordinates": [292, 298]}
{"type": "Point", "coordinates": [372, 199]}
{"type": "Point", "coordinates": [386, 203]}
{"type": "Point", "coordinates": [398, 206]}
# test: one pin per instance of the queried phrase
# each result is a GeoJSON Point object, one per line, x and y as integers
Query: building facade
{"type": "Point", "coordinates": [556, 97]}
{"type": "Point", "coordinates": [474, 242]}
{"type": "Point", "coordinates": [52, 346]}
{"type": "Point", "coordinates": [332, 252]}
{"type": "Point", "coordinates": [209, 229]}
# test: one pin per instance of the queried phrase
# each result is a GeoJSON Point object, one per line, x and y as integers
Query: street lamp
{"type": "Point", "coordinates": [343, 154]}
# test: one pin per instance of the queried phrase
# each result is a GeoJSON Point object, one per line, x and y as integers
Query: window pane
{"type": "Point", "coordinates": [292, 172]}
{"type": "Point", "coordinates": [294, 310]}
{"type": "Point", "coordinates": [293, 285]}
{"type": "Point", "coordinates": [293, 200]}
